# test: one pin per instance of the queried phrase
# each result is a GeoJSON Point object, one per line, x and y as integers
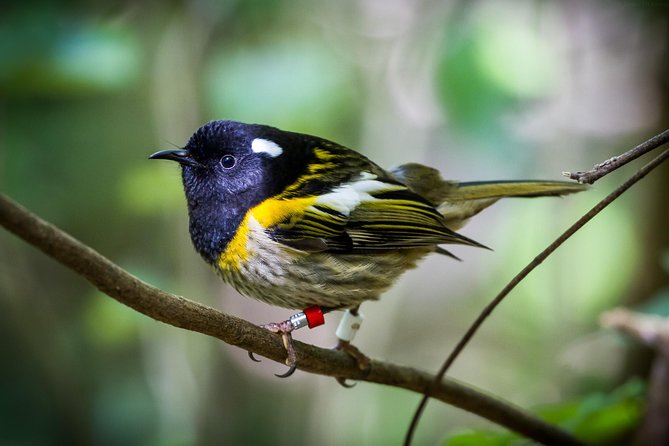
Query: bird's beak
{"type": "Point", "coordinates": [181, 156]}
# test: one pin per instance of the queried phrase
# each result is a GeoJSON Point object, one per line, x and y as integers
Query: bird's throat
{"type": "Point", "coordinates": [212, 228]}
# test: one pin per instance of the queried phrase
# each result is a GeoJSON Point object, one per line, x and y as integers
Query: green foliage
{"type": "Point", "coordinates": [475, 438]}
{"type": "Point", "coordinates": [596, 418]}
{"type": "Point", "coordinates": [109, 324]}
{"type": "Point", "coordinates": [75, 56]}
{"type": "Point", "coordinates": [147, 190]}
{"type": "Point", "coordinates": [309, 88]}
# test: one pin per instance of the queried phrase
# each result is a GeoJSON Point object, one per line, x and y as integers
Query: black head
{"type": "Point", "coordinates": [236, 158]}
{"type": "Point", "coordinates": [228, 167]}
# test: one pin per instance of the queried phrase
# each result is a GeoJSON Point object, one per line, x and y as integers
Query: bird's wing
{"type": "Point", "coordinates": [366, 213]}
{"type": "Point", "coordinates": [393, 217]}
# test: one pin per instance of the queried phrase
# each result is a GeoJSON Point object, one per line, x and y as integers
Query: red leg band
{"type": "Point", "coordinates": [314, 316]}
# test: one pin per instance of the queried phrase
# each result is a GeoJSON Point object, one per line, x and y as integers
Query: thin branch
{"type": "Point", "coordinates": [181, 312]}
{"type": "Point", "coordinates": [614, 163]}
{"type": "Point", "coordinates": [519, 277]}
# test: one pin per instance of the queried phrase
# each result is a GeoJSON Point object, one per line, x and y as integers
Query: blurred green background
{"type": "Point", "coordinates": [481, 90]}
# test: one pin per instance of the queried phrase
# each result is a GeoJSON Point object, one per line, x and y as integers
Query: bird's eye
{"type": "Point", "coordinates": [228, 162]}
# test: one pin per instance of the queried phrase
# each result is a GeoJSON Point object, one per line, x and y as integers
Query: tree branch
{"type": "Point", "coordinates": [183, 313]}
{"type": "Point", "coordinates": [611, 164]}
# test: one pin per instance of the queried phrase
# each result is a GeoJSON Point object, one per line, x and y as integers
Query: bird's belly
{"type": "Point", "coordinates": [283, 276]}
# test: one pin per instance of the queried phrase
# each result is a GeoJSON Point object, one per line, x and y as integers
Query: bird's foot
{"type": "Point", "coordinates": [311, 317]}
{"type": "Point", "coordinates": [346, 331]}
{"type": "Point", "coordinates": [364, 363]}
{"type": "Point", "coordinates": [360, 358]}
{"type": "Point", "coordinates": [285, 329]}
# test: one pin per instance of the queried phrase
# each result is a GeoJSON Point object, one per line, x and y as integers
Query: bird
{"type": "Point", "coordinates": [301, 222]}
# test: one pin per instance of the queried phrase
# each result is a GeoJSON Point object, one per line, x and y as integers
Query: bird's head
{"type": "Point", "coordinates": [228, 158]}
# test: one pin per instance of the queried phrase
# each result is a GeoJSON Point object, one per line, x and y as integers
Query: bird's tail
{"type": "Point", "coordinates": [458, 202]}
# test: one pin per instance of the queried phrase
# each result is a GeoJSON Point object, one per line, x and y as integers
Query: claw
{"type": "Point", "coordinates": [290, 371]}
{"type": "Point", "coordinates": [362, 360]}
{"type": "Point", "coordinates": [253, 358]}
{"type": "Point", "coordinates": [353, 351]}
{"type": "Point", "coordinates": [344, 383]}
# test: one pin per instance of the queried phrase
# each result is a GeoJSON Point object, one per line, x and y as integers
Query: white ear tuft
{"type": "Point", "coordinates": [271, 148]}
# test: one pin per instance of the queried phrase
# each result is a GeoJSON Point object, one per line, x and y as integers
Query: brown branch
{"type": "Point", "coordinates": [181, 312]}
{"type": "Point", "coordinates": [519, 278]}
{"type": "Point", "coordinates": [611, 164]}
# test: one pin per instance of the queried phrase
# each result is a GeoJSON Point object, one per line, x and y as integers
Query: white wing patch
{"type": "Point", "coordinates": [371, 186]}
{"type": "Point", "coordinates": [343, 199]}
{"type": "Point", "coordinates": [271, 148]}
{"type": "Point", "coordinates": [348, 196]}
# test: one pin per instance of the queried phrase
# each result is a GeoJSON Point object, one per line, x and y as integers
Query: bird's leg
{"type": "Point", "coordinates": [285, 329]}
{"type": "Point", "coordinates": [346, 331]}
{"type": "Point", "coordinates": [311, 317]}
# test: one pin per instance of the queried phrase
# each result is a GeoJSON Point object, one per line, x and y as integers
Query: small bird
{"type": "Point", "coordinates": [301, 222]}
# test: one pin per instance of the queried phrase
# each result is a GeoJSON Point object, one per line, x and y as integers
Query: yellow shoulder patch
{"type": "Point", "coordinates": [275, 210]}
{"type": "Point", "coordinates": [268, 213]}
{"type": "Point", "coordinates": [236, 252]}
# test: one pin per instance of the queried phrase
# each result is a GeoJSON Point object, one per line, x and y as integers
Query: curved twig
{"type": "Point", "coordinates": [611, 164]}
{"type": "Point", "coordinates": [181, 312]}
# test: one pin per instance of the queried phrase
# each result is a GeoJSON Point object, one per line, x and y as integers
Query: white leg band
{"type": "Point", "coordinates": [348, 326]}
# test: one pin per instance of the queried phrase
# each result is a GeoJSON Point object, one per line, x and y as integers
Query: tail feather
{"type": "Point", "coordinates": [458, 202]}
{"type": "Point", "coordinates": [468, 199]}
{"type": "Point", "coordinates": [523, 188]}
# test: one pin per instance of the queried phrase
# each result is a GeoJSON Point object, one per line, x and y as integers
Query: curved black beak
{"type": "Point", "coordinates": [181, 156]}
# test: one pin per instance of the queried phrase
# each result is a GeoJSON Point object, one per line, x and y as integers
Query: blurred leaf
{"type": "Point", "coordinates": [96, 58]}
{"type": "Point", "coordinates": [513, 56]}
{"type": "Point", "coordinates": [291, 84]}
{"type": "Point", "coordinates": [596, 418]}
{"type": "Point", "coordinates": [151, 188]}
{"type": "Point", "coordinates": [473, 100]}
{"type": "Point", "coordinates": [600, 284]}
{"type": "Point", "coordinates": [39, 56]}
{"type": "Point", "coordinates": [479, 438]}
{"type": "Point", "coordinates": [489, 65]}
{"type": "Point", "coordinates": [109, 323]}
